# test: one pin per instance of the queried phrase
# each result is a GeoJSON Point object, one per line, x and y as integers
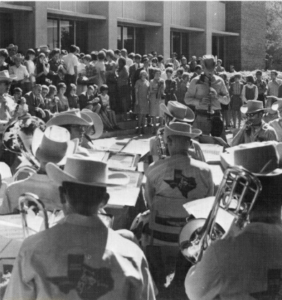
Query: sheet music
{"type": "Point", "coordinates": [211, 152]}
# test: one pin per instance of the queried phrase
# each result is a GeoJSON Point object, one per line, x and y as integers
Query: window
{"type": "Point", "coordinates": [131, 38]}
{"type": "Point", "coordinates": [63, 33]}
{"type": "Point", "coordinates": [218, 47]}
{"type": "Point", "coordinates": [6, 32]}
{"type": "Point", "coordinates": [179, 43]}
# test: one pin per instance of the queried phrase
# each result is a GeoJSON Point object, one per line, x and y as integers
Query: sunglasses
{"type": "Point", "coordinates": [253, 114]}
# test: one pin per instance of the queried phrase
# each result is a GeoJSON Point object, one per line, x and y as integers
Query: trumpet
{"type": "Point", "coordinates": [236, 194]}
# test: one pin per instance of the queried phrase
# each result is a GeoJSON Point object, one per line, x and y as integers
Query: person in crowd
{"type": "Point", "coordinates": [183, 88]}
{"type": "Point", "coordinates": [184, 65]}
{"type": "Point", "coordinates": [270, 114]}
{"type": "Point", "coordinates": [154, 62]}
{"type": "Point", "coordinates": [262, 87]}
{"type": "Point", "coordinates": [44, 93]}
{"type": "Point", "coordinates": [30, 66]}
{"type": "Point", "coordinates": [63, 103]}
{"type": "Point", "coordinates": [107, 115]}
{"type": "Point", "coordinates": [277, 123]}
{"type": "Point", "coordinates": [12, 50]}
{"type": "Point", "coordinates": [273, 84]}
{"type": "Point", "coordinates": [178, 177]}
{"type": "Point", "coordinates": [51, 146]}
{"type": "Point", "coordinates": [225, 107]}
{"type": "Point", "coordinates": [232, 69]}
{"type": "Point", "coordinates": [111, 80]}
{"type": "Point", "coordinates": [55, 62]}
{"type": "Point", "coordinates": [193, 63]}
{"type": "Point", "coordinates": [236, 100]}
{"type": "Point", "coordinates": [35, 102]}
{"type": "Point", "coordinates": [117, 55]}
{"type": "Point", "coordinates": [52, 104]}
{"type": "Point", "coordinates": [123, 88]}
{"type": "Point", "coordinates": [132, 71]}
{"type": "Point", "coordinates": [170, 86]}
{"type": "Point", "coordinates": [250, 90]}
{"type": "Point", "coordinates": [198, 70]}
{"type": "Point", "coordinates": [3, 56]}
{"type": "Point", "coordinates": [142, 87]}
{"type": "Point", "coordinates": [93, 261]}
{"type": "Point", "coordinates": [42, 69]}
{"type": "Point", "coordinates": [70, 62]}
{"type": "Point", "coordinates": [19, 71]}
{"type": "Point", "coordinates": [255, 129]}
{"type": "Point", "coordinates": [207, 92]}
{"type": "Point", "coordinates": [175, 62]}
{"type": "Point", "coordinates": [100, 67]}
{"type": "Point", "coordinates": [156, 95]}
{"type": "Point", "coordinates": [178, 80]}
{"type": "Point", "coordinates": [246, 265]}
{"type": "Point", "coordinates": [219, 68]}
{"type": "Point", "coordinates": [160, 64]}
{"type": "Point", "coordinates": [21, 108]}
{"type": "Point", "coordinates": [131, 55]}
{"type": "Point", "coordinates": [90, 73]}
{"type": "Point", "coordinates": [129, 61]}
{"type": "Point", "coordinates": [88, 100]}
{"type": "Point", "coordinates": [73, 98]}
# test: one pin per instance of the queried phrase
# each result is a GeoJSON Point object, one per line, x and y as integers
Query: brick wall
{"type": "Point", "coordinates": [248, 18]}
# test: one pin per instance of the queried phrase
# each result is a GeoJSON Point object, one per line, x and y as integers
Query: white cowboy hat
{"type": "Point", "coordinates": [178, 111]}
{"type": "Point", "coordinates": [18, 57]}
{"type": "Point", "coordinates": [71, 117]}
{"type": "Point", "coordinates": [97, 123]}
{"type": "Point", "coordinates": [5, 76]}
{"type": "Point", "coordinates": [260, 158]}
{"type": "Point", "coordinates": [53, 145]}
{"type": "Point", "coordinates": [85, 170]}
{"type": "Point", "coordinates": [182, 129]}
{"type": "Point", "coordinates": [252, 106]}
{"type": "Point", "coordinates": [277, 105]}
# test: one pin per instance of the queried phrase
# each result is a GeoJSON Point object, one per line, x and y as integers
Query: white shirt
{"type": "Point", "coordinates": [80, 258]}
{"type": "Point", "coordinates": [31, 70]}
{"type": "Point", "coordinates": [38, 184]}
{"type": "Point", "coordinates": [20, 72]}
{"type": "Point", "coordinates": [240, 267]}
{"type": "Point", "coordinates": [129, 62]}
{"type": "Point", "coordinates": [70, 61]}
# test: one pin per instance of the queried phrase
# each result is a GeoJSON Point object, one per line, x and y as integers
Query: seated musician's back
{"type": "Point", "coordinates": [80, 258]}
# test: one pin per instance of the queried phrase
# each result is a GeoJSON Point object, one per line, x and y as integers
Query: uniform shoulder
{"type": "Point", "coordinates": [203, 166]}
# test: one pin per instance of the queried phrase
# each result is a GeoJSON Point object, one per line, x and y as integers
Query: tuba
{"type": "Point", "coordinates": [236, 194]}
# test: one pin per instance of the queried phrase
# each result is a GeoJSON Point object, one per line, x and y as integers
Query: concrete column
{"type": "Point", "coordinates": [208, 27]}
{"type": "Point", "coordinates": [40, 23]}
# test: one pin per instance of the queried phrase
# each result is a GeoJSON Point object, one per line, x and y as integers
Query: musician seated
{"type": "Point", "coordinates": [248, 264]}
{"type": "Point", "coordinates": [76, 122]}
{"type": "Point", "coordinates": [255, 129]}
{"type": "Point", "coordinates": [174, 111]}
{"type": "Point", "coordinates": [51, 146]}
{"type": "Point", "coordinates": [178, 178]}
{"type": "Point", "coordinates": [81, 258]}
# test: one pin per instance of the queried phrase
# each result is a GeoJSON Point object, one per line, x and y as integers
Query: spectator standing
{"type": "Point", "coordinates": [3, 56]}
{"type": "Point", "coordinates": [170, 86]}
{"type": "Point", "coordinates": [101, 69]}
{"type": "Point", "coordinates": [111, 80]}
{"type": "Point", "coordinates": [30, 66]}
{"type": "Point", "coordinates": [12, 50]}
{"type": "Point", "coordinates": [175, 62]}
{"type": "Point", "coordinates": [90, 72]}
{"type": "Point", "coordinates": [73, 98]}
{"type": "Point", "coordinates": [225, 107]}
{"type": "Point", "coordinates": [7, 104]}
{"type": "Point", "coordinates": [42, 69]}
{"type": "Point", "coordinates": [274, 84]}
{"type": "Point", "coordinates": [129, 61]}
{"type": "Point", "coordinates": [250, 90]}
{"type": "Point", "coordinates": [55, 62]}
{"type": "Point", "coordinates": [63, 104]}
{"type": "Point", "coordinates": [262, 87]}
{"type": "Point", "coordinates": [117, 55]}
{"type": "Point", "coordinates": [219, 68]}
{"type": "Point", "coordinates": [198, 71]}
{"type": "Point", "coordinates": [70, 62]}
{"type": "Point", "coordinates": [122, 84]}
{"type": "Point", "coordinates": [184, 65]}
{"type": "Point", "coordinates": [142, 87]}
{"type": "Point", "coordinates": [132, 71]}
{"type": "Point", "coordinates": [160, 63]}
{"type": "Point", "coordinates": [183, 88]}
{"type": "Point", "coordinates": [193, 63]}
{"type": "Point", "coordinates": [178, 80]}
{"type": "Point", "coordinates": [19, 71]}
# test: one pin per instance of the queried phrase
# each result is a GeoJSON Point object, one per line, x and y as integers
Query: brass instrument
{"type": "Point", "coordinates": [27, 201]}
{"type": "Point", "coordinates": [236, 194]}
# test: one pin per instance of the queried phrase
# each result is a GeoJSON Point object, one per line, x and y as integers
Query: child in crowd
{"type": "Point", "coordinates": [181, 85]}
{"type": "Point", "coordinates": [107, 115]}
{"type": "Point", "coordinates": [250, 90]}
{"type": "Point", "coordinates": [236, 102]}
{"type": "Point", "coordinates": [63, 104]}
{"type": "Point", "coordinates": [142, 87]}
{"type": "Point", "coordinates": [73, 98]}
{"type": "Point", "coordinates": [170, 86]}
{"type": "Point", "coordinates": [22, 107]}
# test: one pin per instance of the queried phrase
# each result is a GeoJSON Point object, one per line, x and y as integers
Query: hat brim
{"type": "Point", "coordinates": [59, 176]}
{"type": "Point", "coordinates": [69, 119]}
{"type": "Point", "coordinates": [195, 132]}
{"type": "Point", "coordinates": [97, 123]}
{"type": "Point", "coordinates": [244, 110]}
{"type": "Point", "coordinates": [165, 110]}
{"type": "Point", "coordinates": [189, 117]}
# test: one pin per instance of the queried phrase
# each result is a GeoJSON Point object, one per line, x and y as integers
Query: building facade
{"type": "Point", "coordinates": [234, 31]}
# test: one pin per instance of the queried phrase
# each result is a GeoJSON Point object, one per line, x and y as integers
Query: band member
{"type": "Point", "coordinates": [46, 148]}
{"type": "Point", "coordinates": [178, 176]}
{"type": "Point", "coordinates": [173, 111]}
{"type": "Point", "coordinates": [248, 264]}
{"type": "Point", "coordinates": [81, 258]}
{"type": "Point", "coordinates": [207, 92]}
{"type": "Point", "coordinates": [255, 129]}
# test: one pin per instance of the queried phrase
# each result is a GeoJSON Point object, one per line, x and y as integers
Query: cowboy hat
{"type": "Point", "coordinates": [252, 106]}
{"type": "Point", "coordinates": [97, 123]}
{"type": "Point", "coordinates": [181, 129]}
{"type": "Point", "coordinates": [53, 145]}
{"type": "Point", "coordinates": [85, 170]}
{"type": "Point", "coordinates": [178, 111]}
{"type": "Point", "coordinates": [18, 57]}
{"type": "Point", "coordinates": [5, 76]}
{"type": "Point", "coordinates": [71, 117]}
{"type": "Point", "coordinates": [260, 158]}
{"type": "Point", "coordinates": [277, 105]}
